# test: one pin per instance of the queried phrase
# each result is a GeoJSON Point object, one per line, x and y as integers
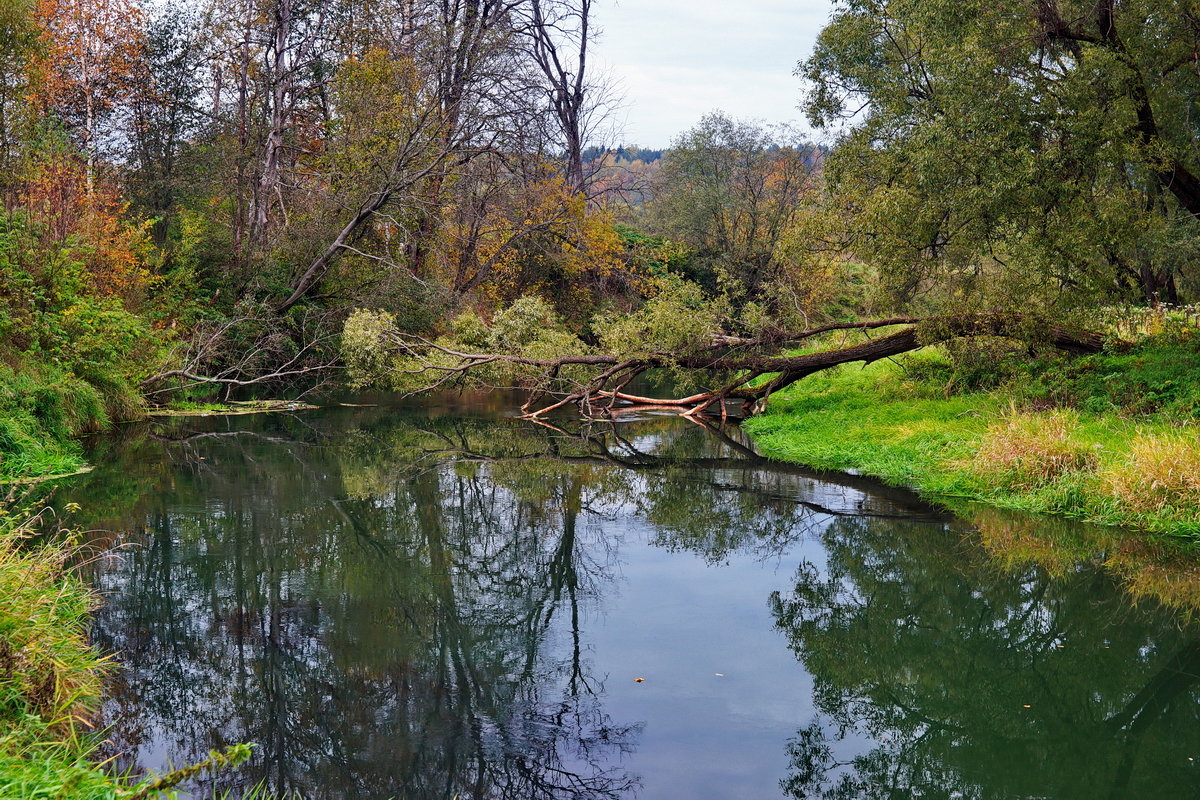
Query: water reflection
{"type": "Point", "coordinates": [407, 604]}
{"type": "Point", "coordinates": [976, 681]}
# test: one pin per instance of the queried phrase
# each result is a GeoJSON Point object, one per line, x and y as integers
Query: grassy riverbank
{"type": "Point", "coordinates": [50, 678]}
{"type": "Point", "coordinates": [1111, 438]}
{"type": "Point", "coordinates": [45, 407]}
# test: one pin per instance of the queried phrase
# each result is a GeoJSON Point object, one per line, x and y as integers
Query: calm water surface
{"type": "Point", "coordinates": [407, 603]}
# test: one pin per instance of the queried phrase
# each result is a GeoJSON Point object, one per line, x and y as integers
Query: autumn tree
{"type": "Point", "coordinates": [92, 55]}
{"type": "Point", "coordinates": [734, 192]}
{"type": "Point", "coordinates": [18, 43]}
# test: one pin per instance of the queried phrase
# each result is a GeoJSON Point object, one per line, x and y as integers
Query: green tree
{"type": "Point", "coordinates": [733, 191]}
{"type": "Point", "coordinates": [1013, 151]}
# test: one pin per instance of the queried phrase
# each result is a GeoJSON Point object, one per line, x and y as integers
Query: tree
{"type": "Point", "coordinates": [93, 53]}
{"type": "Point", "coordinates": [677, 331]}
{"type": "Point", "coordinates": [18, 43]}
{"type": "Point", "coordinates": [734, 192]}
{"type": "Point", "coordinates": [164, 116]}
{"type": "Point", "coordinates": [292, 37]}
{"type": "Point", "coordinates": [559, 33]}
{"type": "Point", "coordinates": [460, 105]}
{"type": "Point", "coordinates": [1012, 152]}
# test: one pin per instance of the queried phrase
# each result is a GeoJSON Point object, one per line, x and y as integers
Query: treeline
{"type": "Point", "coordinates": [196, 195]}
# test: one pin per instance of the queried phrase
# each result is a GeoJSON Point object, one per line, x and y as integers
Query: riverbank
{"type": "Point", "coordinates": [44, 411]}
{"type": "Point", "coordinates": [50, 677]}
{"type": "Point", "coordinates": [1111, 438]}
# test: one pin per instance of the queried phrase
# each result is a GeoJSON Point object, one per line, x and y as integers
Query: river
{"type": "Point", "coordinates": [441, 601]}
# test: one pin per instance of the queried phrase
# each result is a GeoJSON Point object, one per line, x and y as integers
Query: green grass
{"type": "Point", "coordinates": [45, 407]}
{"type": "Point", "coordinates": [41, 410]}
{"type": "Point", "coordinates": [1110, 438]}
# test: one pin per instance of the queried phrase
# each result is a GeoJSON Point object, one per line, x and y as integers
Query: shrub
{"type": "Point", "coordinates": [365, 349]}
{"type": "Point", "coordinates": [521, 323]}
{"type": "Point", "coordinates": [1025, 451]}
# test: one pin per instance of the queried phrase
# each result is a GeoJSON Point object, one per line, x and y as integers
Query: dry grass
{"type": "Point", "coordinates": [1024, 450]}
{"type": "Point", "coordinates": [1161, 475]}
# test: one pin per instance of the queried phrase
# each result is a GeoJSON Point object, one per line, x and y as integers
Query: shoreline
{"type": "Point", "coordinates": [1102, 468]}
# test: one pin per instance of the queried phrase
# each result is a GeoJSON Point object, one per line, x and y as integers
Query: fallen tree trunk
{"type": "Point", "coordinates": [742, 361]}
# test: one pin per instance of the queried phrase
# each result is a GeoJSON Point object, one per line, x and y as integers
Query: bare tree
{"type": "Point", "coordinates": [293, 33]}
{"type": "Point", "coordinates": [559, 33]}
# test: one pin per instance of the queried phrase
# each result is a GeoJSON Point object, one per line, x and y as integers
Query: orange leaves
{"type": "Point", "coordinates": [93, 52]}
{"type": "Point", "coordinates": [90, 228]}
{"type": "Point", "coordinates": [115, 248]}
{"type": "Point", "coordinates": [92, 58]}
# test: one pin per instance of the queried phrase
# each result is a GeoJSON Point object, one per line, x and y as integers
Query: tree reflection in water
{"type": "Point", "coordinates": [395, 605]}
{"type": "Point", "coordinates": [411, 633]}
{"type": "Point", "coordinates": [980, 682]}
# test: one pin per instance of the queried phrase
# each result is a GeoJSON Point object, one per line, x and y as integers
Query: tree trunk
{"type": "Point", "coordinates": [600, 394]}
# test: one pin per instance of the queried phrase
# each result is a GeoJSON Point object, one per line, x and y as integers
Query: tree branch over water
{"type": "Point", "coordinates": [743, 370]}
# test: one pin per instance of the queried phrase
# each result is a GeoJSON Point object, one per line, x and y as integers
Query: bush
{"type": "Point", "coordinates": [526, 320]}
{"type": "Point", "coordinates": [365, 348]}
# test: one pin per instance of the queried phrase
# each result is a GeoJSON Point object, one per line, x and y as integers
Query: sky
{"type": "Point", "coordinates": [676, 60]}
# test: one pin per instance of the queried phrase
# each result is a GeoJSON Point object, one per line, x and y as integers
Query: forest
{"type": "Point", "coordinates": [198, 199]}
{"type": "Point", "coordinates": [973, 270]}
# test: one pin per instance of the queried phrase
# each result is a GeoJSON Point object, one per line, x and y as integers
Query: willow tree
{"type": "Point", "coordinates": [1015, 151]}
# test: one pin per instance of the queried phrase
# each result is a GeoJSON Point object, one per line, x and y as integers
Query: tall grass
{"type": "Point", "coordinates": [1027, 450]}
{"type": "Point", "coordinates": [1160, 476]}
{"type": "Point", "coordinates": [50, 678]}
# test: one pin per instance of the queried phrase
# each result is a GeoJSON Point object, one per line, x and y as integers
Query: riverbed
{"type": "Point", "coordinates": [442, 600]}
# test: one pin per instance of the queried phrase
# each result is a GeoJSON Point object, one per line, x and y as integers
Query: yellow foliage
{"type": "Point", "coordinates": [551, 243]}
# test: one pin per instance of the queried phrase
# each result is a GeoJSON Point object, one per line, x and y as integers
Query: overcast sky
{"type": "Point", "coordinates": [676, 60]}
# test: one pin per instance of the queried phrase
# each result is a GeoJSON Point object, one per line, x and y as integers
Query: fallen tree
{"type": "Point", "coordinates": [742, 371]}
